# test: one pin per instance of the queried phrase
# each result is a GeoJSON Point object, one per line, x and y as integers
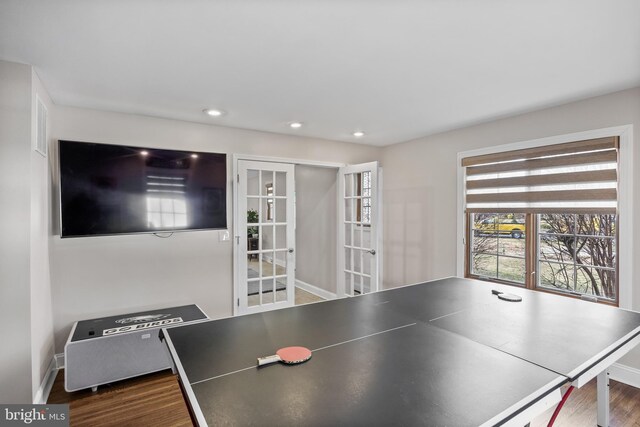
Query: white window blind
{"type": "Point", "coordinates": [579, 177]}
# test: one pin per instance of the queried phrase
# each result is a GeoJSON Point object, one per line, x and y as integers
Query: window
{"type": "Point", "coordinates": [498, 247]}
{"type": "Point", "coordinates": [577, 254]}
{"type": "Point", "coordinates": [545, 218]}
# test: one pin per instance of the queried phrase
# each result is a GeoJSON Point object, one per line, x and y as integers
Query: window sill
{"type": "Point", "coordinates": [544, 290]}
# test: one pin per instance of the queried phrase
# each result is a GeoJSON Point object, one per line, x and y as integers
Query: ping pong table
{"type": "Point", "coordinates": [445, 353]}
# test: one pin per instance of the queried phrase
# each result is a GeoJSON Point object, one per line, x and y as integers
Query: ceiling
{"type": "Point", "coordinates": [395, 69]}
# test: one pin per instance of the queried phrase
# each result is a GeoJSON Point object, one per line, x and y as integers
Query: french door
{"type": "Point", "coordinates": [265, 236]}
{"type": "Point", "coordinates": [359, 218]}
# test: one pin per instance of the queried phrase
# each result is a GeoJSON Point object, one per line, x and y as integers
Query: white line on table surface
{"type": "Point", "coordinates": [317, 349]}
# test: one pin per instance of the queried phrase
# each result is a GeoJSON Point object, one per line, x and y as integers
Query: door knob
{"type": "Point", "coordinates": [372, 251]}
{"type": "Point", "coordinates": [290, 250]}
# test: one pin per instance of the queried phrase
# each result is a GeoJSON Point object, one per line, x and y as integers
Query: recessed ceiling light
{"type": "Point", "coordinates": [195, 156]}
{"type": "Point", "coordinates": [358, 134]}
{"type": "Point", "coordinates": [144, 153]}
{"type": "Point", "coordinates": [213, 112]}
{"type": "Point", "coordinates": [295, 125]}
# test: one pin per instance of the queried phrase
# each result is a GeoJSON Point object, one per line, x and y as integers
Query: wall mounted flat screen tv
{"type": "Point", "coordinates": [115, 189]}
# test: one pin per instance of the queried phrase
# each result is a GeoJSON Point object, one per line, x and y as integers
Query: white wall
{"type": "Point", "coordinates": [42, 348]}
{"type": "Point", "coordinates": [420, 183]}
{"type": "Point", "coordinates": [98, 276]}
{"type": "Point", "coordinates": [26, 319]}
{"type": "Point", "coordinates": [316, 226]}
{"type": "Point", "coordinates": [15, 146]}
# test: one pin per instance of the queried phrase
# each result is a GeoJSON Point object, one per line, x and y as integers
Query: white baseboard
{"type": "Point", "coordinates": [269, 259]}
{"type": "Point", "coordinates": [47, 382]}
{"type": "Point", "coordinates": [59, 358]}
{"type": "Point", "coordinates": [315, 290]}
{"type": "Point", "coordinates": [625, 374]}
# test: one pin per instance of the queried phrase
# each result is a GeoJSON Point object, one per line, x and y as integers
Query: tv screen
{"type": "Point", "coordinates": [115, 189]}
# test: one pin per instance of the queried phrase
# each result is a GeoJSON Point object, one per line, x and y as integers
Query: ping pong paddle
{"type": "Point", "coordinates": [287, 355]}
{"type": "Point", "coordinates": [506, 297]}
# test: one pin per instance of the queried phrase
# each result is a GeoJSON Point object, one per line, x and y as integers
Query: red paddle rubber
{"type": "Point", "coordinates": [288, 355]}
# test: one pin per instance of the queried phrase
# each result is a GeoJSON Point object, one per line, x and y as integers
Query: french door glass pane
{"type": "Point", "coordinates": [280, 210]}
{"type": "Point", "coordinates": [267, 290]}
{"type": "Point", "coordinates": [253, 292]}
{"type": "Point", "coordinates": [281, 295]}
{"type": "Point", "coordinates": [366, 284]}
{"type": "Point", "coordinates": [357, 284]}
{"type": "Point", "coordinates": [253, 184]}
{"type": "Point", "coordinates": [347, 234]}
{"type": "Point", "coordinates": [281, 184]}
{"type": "Point", "coordinates": [266, 186]}
{"type": "Point", "coordinates": [266, 213]}
{"type": "Point", "coordinates": [280, 237]}
{"type": "Point", "coordinates": [347, 259]}
{"type": "Point", "coordinates": [357, 264]}
{"type": "Point", "coordinates": [253, 210]}
{"type": "Point", "coordinates": [348, 210]}
{"type": "Point", "coordinates": [366, 262]}
{"type": "Point", "coordinates": [267, 237]}
{"type": "Point", "coordinates": [357, 236]}
{"type": "Point", "coordinates": [348, 283]}
{"type": "Point", "coordinates": [348, 185]}
{"type": "Point", "coordinates": [281, 263]}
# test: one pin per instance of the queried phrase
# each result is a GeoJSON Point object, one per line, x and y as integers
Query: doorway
{"type": "Point", "coordinates": [289, 230]}
{"type": "Point", "coordinates": [316, 233]}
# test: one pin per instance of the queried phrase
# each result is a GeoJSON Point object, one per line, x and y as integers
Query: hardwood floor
{"type": "Point", "coordinates": [151, 400]}
{"type": "Point", "coordinates": [304, 297]}
{"type": "Point", "coordinates": [156, 400]}
{"type": "Point", "coordinates": [581, 408]}
{"type": "Point", "coordinates": [301, 297]}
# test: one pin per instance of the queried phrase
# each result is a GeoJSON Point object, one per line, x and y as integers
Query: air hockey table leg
{"type": "Point", "coordinates": [603, 398]}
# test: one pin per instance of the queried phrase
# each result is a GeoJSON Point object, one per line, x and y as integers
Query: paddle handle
{"type": "Point", "coordinates": [266, 360]}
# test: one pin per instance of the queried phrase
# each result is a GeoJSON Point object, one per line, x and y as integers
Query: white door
{"type": "Point", "coordinates": [358, 246]}
{"type": "Point", "coordinates": [265, 236]}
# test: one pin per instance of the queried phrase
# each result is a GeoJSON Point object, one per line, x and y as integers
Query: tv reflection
{"type": "Point", "coordinates": [166, 203]}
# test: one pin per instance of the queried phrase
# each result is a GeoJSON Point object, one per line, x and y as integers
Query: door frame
{"type": "Point", "coordinates": [236, 237]}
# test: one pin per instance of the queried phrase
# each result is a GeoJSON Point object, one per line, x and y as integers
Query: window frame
{"type": "Point", "coordinates": [531, 238]}
{"type": "Point", "coordinates": [625, 261]}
